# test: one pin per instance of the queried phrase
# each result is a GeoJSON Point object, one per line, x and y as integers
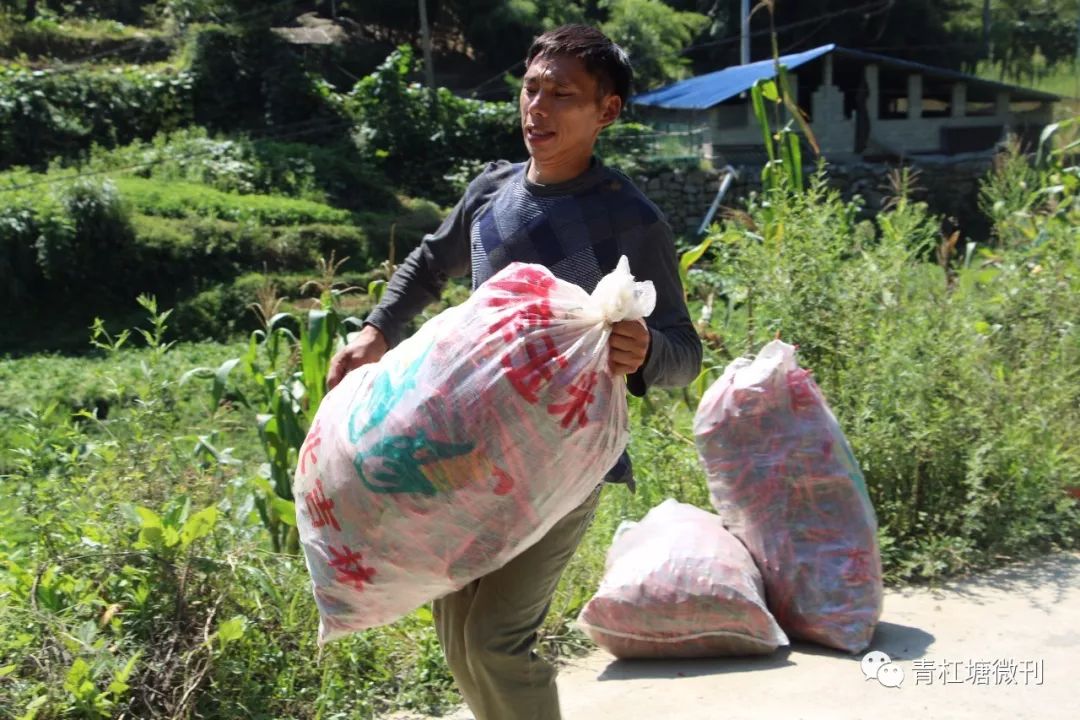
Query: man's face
{"type": "Point", "coordinates": [562, 110]}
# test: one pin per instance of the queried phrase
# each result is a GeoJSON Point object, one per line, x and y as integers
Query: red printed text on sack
{"type": "Point", "coordinates": [575, 408]}
{"type": "Point", "coordinates": [314, 440]}
{"type": "Point", "coordinates": [349, 567]}
{"type": "Point", "coordinates": [320, 508]}
{"type": "Point", "coordinates": [541, 359]}
{"type": "Point", "coordinates": [529, 284]}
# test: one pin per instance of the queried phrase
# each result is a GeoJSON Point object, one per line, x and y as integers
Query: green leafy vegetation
{"type": "Point", "coordinates": [397, 116]}
{"type": "Point", "coordinates": [949, 366]}
{"type": "Point", "coordinates": [147, 547]}
{"type": "Point", "coordinates": [184, 216]}
{"type": "Point", "coordinates": [45, 113]}
{"type": "Point", "coordinates": [655, 33]}
{"type": "Point", "coordinates": [148, 561]}
{"type": "Point", "coordinates": [60, 38]}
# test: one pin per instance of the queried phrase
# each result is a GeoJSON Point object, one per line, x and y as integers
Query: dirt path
{"type": "Point", "coordinates": [1005, 644]}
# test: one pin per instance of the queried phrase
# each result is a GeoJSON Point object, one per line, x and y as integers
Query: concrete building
{"type": "Point", "coordinates": [860, 105]}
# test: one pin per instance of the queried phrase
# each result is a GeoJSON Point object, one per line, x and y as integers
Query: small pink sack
{"type": "Point", "coordinates": [678, 585]}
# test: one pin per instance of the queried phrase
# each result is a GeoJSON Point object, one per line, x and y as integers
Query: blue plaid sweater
{"type": "Point", "coordinates": [578, 229]}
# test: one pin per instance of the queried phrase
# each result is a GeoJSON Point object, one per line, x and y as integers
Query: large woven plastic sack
{"type": "Point", "coordinates": [784, 479]}
{"type": "Point", "coordinates": [678, 585]}
{"type": "Point", "coordinates": [463, 445]}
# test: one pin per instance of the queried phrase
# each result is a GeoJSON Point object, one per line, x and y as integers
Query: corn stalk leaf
{"type": "Point", "coordinates": [285, 509]}
{"type": "Point", "coordinates": [316, 349]}
{"type": "Point", "coordinates": [796, 112]}
{"type": "Point", "coordinates": [789, 142]}
{"type": "Point", "coordinates": [690, 257]}
{"type": "Point", "coordinates": [769, 91]}
{"type": "Point", "coordinates": [221, 381]}
{"type": "Point", "coordinates": [758, 101]}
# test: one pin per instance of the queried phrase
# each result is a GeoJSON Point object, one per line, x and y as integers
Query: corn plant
{"type": "Point", "coordinates": [784, 167]}
{"type": "Point", "coordinates": [782, 175]}
{"type": "Point", "coordinates": [282, 379]}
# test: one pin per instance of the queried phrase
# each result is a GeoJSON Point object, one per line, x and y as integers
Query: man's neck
{"type": "Point", "coordinates": [554, 174]}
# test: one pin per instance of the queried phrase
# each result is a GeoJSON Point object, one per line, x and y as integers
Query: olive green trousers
{"type": "Point", "coordinates": [488, 629]}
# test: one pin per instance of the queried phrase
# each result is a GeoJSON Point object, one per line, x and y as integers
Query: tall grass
{"type": "Point", "coordinates": [137, 574]}
{"type": "Point", "coordinates": [140, 578]}
{"type": "Point", "coordinates": [952, 367]}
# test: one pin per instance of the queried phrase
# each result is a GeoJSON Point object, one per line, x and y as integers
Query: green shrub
{"type": "Point", "coordinates": [246, 76]}
{"type": "Point", "coordinates": [322, 240]}
{"type": "Point", "coordinates": [85, 231]}
{"type": "Point", "coordinates": [76, 38]}
{"type": "Point", "coordinates": [183, 199]}
{"type": "Point", "coordinates": [403, 229]}
{"type": "Point", "coordinates": [221, 312]}
{"type": "Point", "coordinates": [100, 241]}
{"type": "Point", "coordinates": [45, 113]}
{"type": "Point", "coordinates": [87, 381]}
{"type": "Point", "coordinates": [75, 238]}
{"type": "Point", "coordinates": [419, 138]}
{"type": "Point", "coordinates": [172, 254]}
{"type": "Point", "coordinates": [626, 146]}
{"type": "Point", "coordinates": [85, 248]}
{"type": "Point", "coordinates": [100, 13]}
{"type": "Point", "coordinates": [228, 309]}
{"type": "Point", "coordinates": [334, 173]}
{"type": "Point", "coordinates": [28, 220]}
{"type": "Point", "coordinates": [232, 78]}
{"type": "Point", "coordinates": [216, 60]}
{"type": "Point", "coordinates": [953, 379]}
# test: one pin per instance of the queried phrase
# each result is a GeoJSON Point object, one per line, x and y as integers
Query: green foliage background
{"type": "Point", "coordinates": [147, 557]}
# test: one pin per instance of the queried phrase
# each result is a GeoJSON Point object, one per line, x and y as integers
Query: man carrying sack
{"type": "Point", "coordinates": [563, 209]}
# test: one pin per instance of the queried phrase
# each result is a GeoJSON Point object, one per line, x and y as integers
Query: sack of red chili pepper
{"type": "Point", "coordinates": [784, 479]}
{"type": "Point", "coordinates": [678, 585]}
{"type": "Point", "coordinates": [463, 445]}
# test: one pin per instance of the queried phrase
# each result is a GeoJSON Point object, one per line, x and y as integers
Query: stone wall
{"type": "Point", "coordinates": [950, 186]}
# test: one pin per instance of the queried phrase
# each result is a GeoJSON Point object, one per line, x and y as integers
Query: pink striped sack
{"type": "Point", "coordinates": [463, 445]}
{"type": "Point", "coordinates": [784, 479]}
{"type": "Point", "coordinates": [678, 585]}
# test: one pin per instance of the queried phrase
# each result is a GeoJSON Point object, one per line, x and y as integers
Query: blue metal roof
{"type": "Point", "coordinates": [704, 91]}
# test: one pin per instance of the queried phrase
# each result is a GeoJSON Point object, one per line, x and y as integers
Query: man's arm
{"type": "Point", "coordinates": [421, 278]}
{"type": "Point", "coordinates": [417, 281]}
{"type": "Point", "coordinates": [674, 355]}
{"type": "Point", "coordinates": [443, 254]}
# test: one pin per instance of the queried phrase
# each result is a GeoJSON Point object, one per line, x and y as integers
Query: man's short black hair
{"type": "Point", "coordinates": [604, 60]}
